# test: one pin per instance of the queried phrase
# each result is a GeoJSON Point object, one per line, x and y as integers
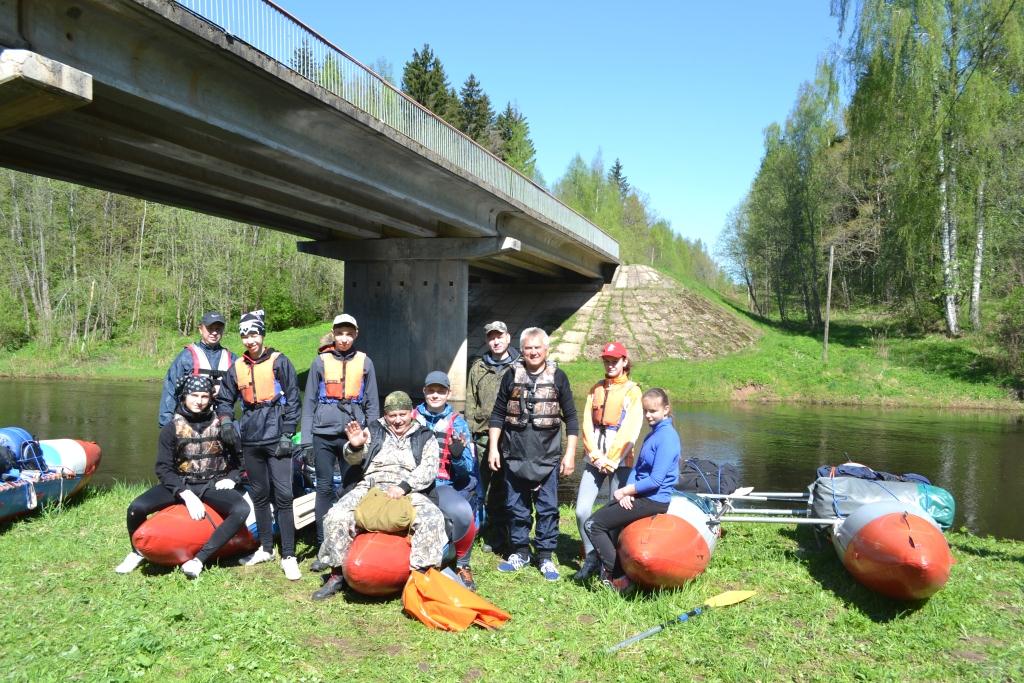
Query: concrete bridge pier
{"type": "Point", "coordinates": [411, 299]}
{"type": "Point", "coordinates": [412, 319]}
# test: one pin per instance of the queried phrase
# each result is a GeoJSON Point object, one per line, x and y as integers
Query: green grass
{"type": "Point", "coordinates": [67, 617]}
{"type": "Point", "coordinates": [864, 368]}
{"type": "Point", "coordinates": [868, 365]}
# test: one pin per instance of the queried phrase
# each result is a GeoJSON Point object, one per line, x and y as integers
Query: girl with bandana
{"type": "Point", "coordinates": [194, 467]}
{"type": "Point", "coordinates": [264, 381]}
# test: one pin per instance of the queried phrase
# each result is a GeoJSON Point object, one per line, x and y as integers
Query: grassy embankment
{"type": "Point", "coordinates": [865, 367]}
{"type": "Point", "coordinates": [67, 616]}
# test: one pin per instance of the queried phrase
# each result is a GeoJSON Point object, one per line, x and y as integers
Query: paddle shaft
{"type": "Point", "coordinates": [657, 629]}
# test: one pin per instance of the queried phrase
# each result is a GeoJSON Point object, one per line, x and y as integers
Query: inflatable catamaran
{"type": "Point", "coordinates": [34, 472]}
{"type": "Point", "coordinates": [887, 530]}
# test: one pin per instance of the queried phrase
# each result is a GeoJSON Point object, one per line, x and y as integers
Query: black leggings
{"type": "Point", "coordinates": [265, 471]}
{"type": "Point", "coordinates": [228, 503]}
{"type": "Point", "coordinates": [604, 526]}
{"type": "Point", "coordinates": [328, 451]}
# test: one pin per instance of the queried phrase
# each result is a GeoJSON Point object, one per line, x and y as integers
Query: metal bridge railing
{"type": "Point", "coordinates": [273, 31]}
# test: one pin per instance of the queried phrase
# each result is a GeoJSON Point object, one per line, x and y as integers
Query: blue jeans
{"type": "Point", "coordinates": [590, 486]}
{"type": "Point", "coordinates": [523, 500]}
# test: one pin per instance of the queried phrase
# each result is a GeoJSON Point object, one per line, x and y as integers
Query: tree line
{"type": "Point", "coordinates": [85, 266]}
{"type": "Point", "coordinates": [915, 182]}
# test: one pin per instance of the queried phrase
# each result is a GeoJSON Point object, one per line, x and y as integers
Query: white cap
{"type": "Point", "coordinates": [345, 319]}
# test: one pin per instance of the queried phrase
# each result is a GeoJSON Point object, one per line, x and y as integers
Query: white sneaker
{"type": "Point", "coordinates": [131, 561]}
{"type": "Point", "coordinates": [192, 568]}
{"type": "Point", "coordinates": [291, 568]}
{"type": "Point", "coordinates": [260, 555]}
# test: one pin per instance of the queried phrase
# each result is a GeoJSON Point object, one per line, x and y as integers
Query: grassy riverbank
{"type": "Point", "coordinates": [69, 617]}
{"type": "Point", "coordinates": [866, 367]}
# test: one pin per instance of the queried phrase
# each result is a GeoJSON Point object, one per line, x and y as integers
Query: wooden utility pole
{"type": "Point", "coordinates": [828, 300]}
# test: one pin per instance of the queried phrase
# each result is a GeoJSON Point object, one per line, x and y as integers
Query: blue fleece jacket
{"type": "Point", "coordinates": [656, 469]}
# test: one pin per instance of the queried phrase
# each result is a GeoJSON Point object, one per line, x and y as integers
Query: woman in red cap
{"type": "Point", "coordinates": [611, 424]}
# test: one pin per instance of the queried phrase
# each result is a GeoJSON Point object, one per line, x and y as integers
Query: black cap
{"type": "Point", "coordinates": [211, 318]}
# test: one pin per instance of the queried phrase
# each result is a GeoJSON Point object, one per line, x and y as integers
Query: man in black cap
{"type": "Point", "coordinates": [205, 357]}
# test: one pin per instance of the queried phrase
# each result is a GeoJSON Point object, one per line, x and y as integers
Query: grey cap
{"type": "Point", "coordinates": [496, 326]}
{"type": "Point", "coordinates": [344, 319]}
{"type": "Point", "coordinates": [212, 317]}
{"type": "Point", "coordinates": [437, 377]}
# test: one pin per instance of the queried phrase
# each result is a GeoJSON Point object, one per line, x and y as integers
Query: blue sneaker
{"type": "Point", "coordinates": [549, 570]}
{"type": "Point", "coordinates": [514, 563]}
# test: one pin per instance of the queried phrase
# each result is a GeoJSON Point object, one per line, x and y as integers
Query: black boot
{"type": "Point", "coordinates": [334, 585]}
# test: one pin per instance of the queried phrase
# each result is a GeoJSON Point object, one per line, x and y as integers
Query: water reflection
{"type": "Point", "coordinates": [977, 455]}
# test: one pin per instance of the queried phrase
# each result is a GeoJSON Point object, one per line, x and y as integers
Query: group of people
{"type": "Point", "coordinates": [498, 465]}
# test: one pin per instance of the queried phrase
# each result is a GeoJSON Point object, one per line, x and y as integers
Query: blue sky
{"type": "Point", "coordinates": [680, 91]}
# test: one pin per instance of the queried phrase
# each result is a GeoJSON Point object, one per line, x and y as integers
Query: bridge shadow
{"type": "Point", "coordinates": [520, 306]}
{"type": "Point", "coordinates": [817, 555]}
{"type": "Point", "coordinates": [937, 356]}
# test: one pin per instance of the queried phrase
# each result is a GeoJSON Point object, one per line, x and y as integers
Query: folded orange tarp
{"type": "Point", "coordinates": [444, 604]}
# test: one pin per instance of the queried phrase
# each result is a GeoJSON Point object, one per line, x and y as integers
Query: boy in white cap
{"type": "Point", "coordinates": [341, 387]}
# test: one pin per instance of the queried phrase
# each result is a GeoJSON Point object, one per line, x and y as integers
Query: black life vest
{"type": "Point", "coordinates": [199, 456]}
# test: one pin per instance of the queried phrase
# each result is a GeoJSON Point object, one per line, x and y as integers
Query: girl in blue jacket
{"type": "Point", "coordinates": [647, 492]}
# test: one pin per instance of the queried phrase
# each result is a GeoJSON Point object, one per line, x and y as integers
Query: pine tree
{"type": "Point", "coordinates": [514, 144]}
{"type": "Point", "coordinates": [616, 176]}
{"type": "Point", "coordinates": [424, 80]}
{"type": "Point", "coordinates": [475, 117]}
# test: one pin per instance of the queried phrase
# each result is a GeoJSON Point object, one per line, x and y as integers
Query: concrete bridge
{"type": "Point", "coordinates": [237, 109]}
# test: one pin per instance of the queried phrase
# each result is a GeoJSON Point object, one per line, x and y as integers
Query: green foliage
{"type": "Point", "coordinates": [916, 184]}
{"type": "Point", "coordinates": [475, 117]}
{"type": "Point", "coordinates": [642, 236]}
{"type": "Point", "coordinates": [424, 79]}
{"type": "Point", "coordinates": [85, 266]}
{"type": "Point", "coordinates": [515, 146]}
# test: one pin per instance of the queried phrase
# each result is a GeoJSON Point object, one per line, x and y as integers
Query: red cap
{"type": "Point", "coordinates": [614, 350]}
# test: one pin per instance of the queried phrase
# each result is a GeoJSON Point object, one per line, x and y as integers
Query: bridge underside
{"type": "Point", "coordinates": [179, 113]}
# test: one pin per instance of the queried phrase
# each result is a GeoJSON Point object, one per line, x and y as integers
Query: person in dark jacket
{"type": "Point", "coordinates": [204, 357]}
{"type": "Point", "coordinates": [193, 467]}
{"type": "Point", "coordinates": [648, 490]}
{"type": "Point", "coordinates": [533, 401]}
{"type": "Point", "coordinates": [341, 387]}
{"type": "Point", "coordinates": [482, 384]}
{"type": "Point", "coordinates": [264, 381]}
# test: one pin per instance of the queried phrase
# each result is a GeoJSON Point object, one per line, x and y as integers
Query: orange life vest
{"type": "Point", "coordinates": [256, 381]}
{"type": "Point", "coordinates": [608, 402]}
{"type": "Point", "coordinates": [343, 379]}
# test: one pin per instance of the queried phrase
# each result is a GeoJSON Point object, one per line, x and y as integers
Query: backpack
{"type": "Point", "coordinates": [697, 475]}
{"type": "Point", "coordinates": [25, 450]}
{"type": "Point", "coordinates": [7, 461]}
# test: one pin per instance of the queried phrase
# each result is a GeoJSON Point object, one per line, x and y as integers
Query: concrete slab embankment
{"type": "Point", "coordinates": [652, 314]}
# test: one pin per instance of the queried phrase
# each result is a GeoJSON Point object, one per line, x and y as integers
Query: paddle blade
{"type": "Point", "coordinates": [728, 598]}
{"type": "Point", "coordinates": [740, 492]}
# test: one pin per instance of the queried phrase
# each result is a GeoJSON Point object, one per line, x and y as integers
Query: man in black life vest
{"type": "Point", "coordinates": [533, 401]}
{"type": "Point", "coordinates": [204, 357]}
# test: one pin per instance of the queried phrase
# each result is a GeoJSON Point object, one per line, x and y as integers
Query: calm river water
{"type": "Point", "coordinates": [978, 456]}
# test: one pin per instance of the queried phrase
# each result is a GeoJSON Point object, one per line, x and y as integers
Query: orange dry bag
{"type": "Point", "coordinates": [444, 604]}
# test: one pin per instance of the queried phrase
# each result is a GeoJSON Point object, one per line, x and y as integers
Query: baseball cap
{"type": "Point", "coordinates": [437, 377]}
{"type": "Point", "coordinates": [496, 326]}
{"type": "Point", "coordinates": [614, 350]}
{"type": "Point", "coordinates": [212, 317]}
{"type": "Point", "coordinates": [345, 319]}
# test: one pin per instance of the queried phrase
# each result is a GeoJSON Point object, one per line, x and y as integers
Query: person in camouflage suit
{"type": "Point", "coordinates": [400, 457]}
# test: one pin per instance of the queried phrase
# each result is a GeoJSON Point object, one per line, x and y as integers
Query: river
{"type": "Point", "coordinates": [977, 455]}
